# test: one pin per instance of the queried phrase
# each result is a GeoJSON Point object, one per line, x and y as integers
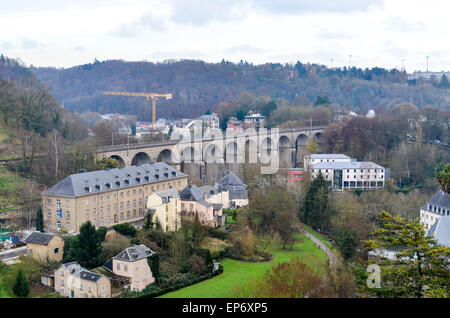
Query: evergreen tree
{"type": "Point", "coordinates": [87, 246]}
{"type": "Point", "coordinates": [443, 177]}
{"type": "Point", "coordinates": [421, 268]}
{"type": "Point", "coordinates": [40, 220]}
{"type": "Point", "coordinates": [21, 287]}
{"type": "Point", "coordinates": [148, 225]}
{"type": "Point", "coordinates": [153, 262]}
{"type": "Point", "coordinates": [198, 233]}
{"type": "Point", "coordinates": [347, 242]}
{"type": "Point", "coordinates": [316, 209]}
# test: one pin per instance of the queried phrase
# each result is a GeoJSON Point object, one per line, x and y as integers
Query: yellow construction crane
{"type": "Point", "coordinates": [153, 96]}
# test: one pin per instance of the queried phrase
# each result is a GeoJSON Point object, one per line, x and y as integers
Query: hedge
{"type": "Point", "coordinates": [178, 284]}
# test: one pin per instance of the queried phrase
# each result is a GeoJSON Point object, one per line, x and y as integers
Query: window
{"type": "Point", "coordinates": [56, 251]}
{"type": "Point", "coordinates": [58, 225]}
{"type": "Point", "coordinates": [58, 203]}
{"type": "Point", "coordinates": [87, 213]}
{"type": "Point", "coordinates": [103, 288]}
{"type": "Point", "coordinates": [49, 201]}
{"type": "Point", "coordinates": [128, 214]}
{"type": "Point", "coordinates": [101, 221]}
{"type": "Point", "coordinates": [68, 226]}
{"type": "Point", "coordinates": [128, 193]}
{"type": "Point", "coordinates": [191, 206]}
{"type": "Point", "coordinates": [95, 200]}
{"type": "Point", "coordinates": [121, 215]}
{"type": "Point", "coordinates": [108, 197]}
{"type": "Point", "coordinates": [118, 266]}
{"type": "Point", "coordinates": [81, 286]}
{"type": "Point", "coordinates": [101, 198]}
{"type": "Point", "coordinates": [134, 213]}
{"type": "Point", "coordinates": [121, 194]}
{"type": "Point", "coordinates": [101, 210]}
{"type": "Point", "coordinates": [62, 281]}
{"type": "Point", "coordinates": [67, 215]}
{"type": "Point", "coordinates": [134, 191]}
{"type": "Point", "coordinates": [182, 205]}
{"type": "Point", "coordinates": [62, 272]}
{"type": "Point", "coordinates": [115, 195]}
{"type": "Point", "coordinates": [90, 288]}
{"type": "Point", "coordinates": [95, 211]}
{"type": "Point", "coordinates": [95, 222]}
{"type": "Point", "coordinates": [134, 203]}
{"type": "Point", "coordinates": [67, 203]}
{"type": "Point", "coordinates": [87, 201]}
{"type": "Point", "coordinates": [125, 268]}
{"type": "Point", "coordinates": [128, 204]}
{"type": "Point", "coordinates": [109, 219]}
{"type": "Point", "coordinates": [49, 213]}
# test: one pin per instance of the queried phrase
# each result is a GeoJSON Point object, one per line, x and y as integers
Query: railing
{"type": "Point", "coordinates": [174, 142]}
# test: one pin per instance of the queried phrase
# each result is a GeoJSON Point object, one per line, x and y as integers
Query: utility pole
{"type": "Point", "coordinates": [427, 62]}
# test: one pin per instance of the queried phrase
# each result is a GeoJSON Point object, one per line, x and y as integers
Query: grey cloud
{"type": "Point", "coordinates": [245, 48]}
{"type": "Point", "coordinates": [397, 51]}
{"type": "Point", "coordinates": [6, 46]}
{"type": "Point", "coordinates": [79, 48]}
{"type": "Point", "coordinates": [403, 25]}
{"type": "Point", "coordinates": [148, 21]}
{"type": "Point", "coordinates": [299, 6]}
{"type": "Point", "coordinates": [30, 44]}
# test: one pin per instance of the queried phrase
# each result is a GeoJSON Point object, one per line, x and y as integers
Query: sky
{"type": "Point", "coordinates": [362, 33]}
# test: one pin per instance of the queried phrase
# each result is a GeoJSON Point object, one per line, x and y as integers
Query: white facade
{"type": "Point", "coordinates": [351, 175]}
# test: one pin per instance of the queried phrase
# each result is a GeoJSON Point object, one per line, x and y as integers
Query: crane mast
{"type": "Point", "coordinates": [153, 96]}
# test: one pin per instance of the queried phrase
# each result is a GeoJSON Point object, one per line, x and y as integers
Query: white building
{"type": "Point", "coordinates": [436, 207]}
{"type": "Point", "coordinates": [310, 160]}
{"type": "Point", "coordinates": [351, 174]}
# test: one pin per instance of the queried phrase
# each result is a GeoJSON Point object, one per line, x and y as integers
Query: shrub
{"type": "Point", "coordinates": [125, 229]}
{"type": "Point", "coordinates": [21, 287]}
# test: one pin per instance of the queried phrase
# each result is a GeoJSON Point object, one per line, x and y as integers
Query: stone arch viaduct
{"type": "Point", "coordinates": [248, 147]}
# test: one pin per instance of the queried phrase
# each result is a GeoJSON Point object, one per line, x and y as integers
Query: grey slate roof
{"type": "Point", "coordinates": [80, 184]}
{"type": "Point", "coordinates": [192, 193]}
{"type": "Point", "coordinates": [76, 270]}
{"type": "Point", "coordinates": [328, 156]}
{"type": "Point", "coordinates": [39, 238]}
{"type": "Point", "coordinates": [166, 194]}
{"type": "Point", "coordinates": [208, 189]}
{"type": "Point", "coordinates": [441, 231]}
{"type": "Point", "coordinates": [237, 189]}
{"type": "Point", "coordinates": [440, 199]}
{"type": "Point", "coordinates": [134, 253]}
{"type": "Point", "coordinates": [347, 165]}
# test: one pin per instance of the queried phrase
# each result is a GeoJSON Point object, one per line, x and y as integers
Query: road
{"type": "Point", "coordinates": [13, 253]}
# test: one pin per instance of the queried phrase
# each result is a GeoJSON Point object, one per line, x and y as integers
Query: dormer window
{"type": "Point", "coordinates": [118, 183]}
{"type": "Point", "coordinates": [98, 187]}
{"type": "Point", "coordinates": [147, 178]}
{"type": "Point", "coordinates": [138, 179]}
{"type": "Point", "coordinates": [127, 181]}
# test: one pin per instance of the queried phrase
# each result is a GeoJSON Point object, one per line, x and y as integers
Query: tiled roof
{"type": "Point", "coordinates": [166, 194]}
{"type": "Point", "coordinates": [99, 181]}
{"type": "Point", "coordinates": [76, 270]}
{"type": "Point", "coordinates": [441, 231]}
{"type": "Point", "coordinates": [192, 193]}
{"type": "Point", "coordinates": [134, 253]}
{"type": "Point", "coordinates": [39, 238]}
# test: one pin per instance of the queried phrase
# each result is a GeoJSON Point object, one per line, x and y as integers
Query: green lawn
{"type": "Point", "coordinates": [238, 272]}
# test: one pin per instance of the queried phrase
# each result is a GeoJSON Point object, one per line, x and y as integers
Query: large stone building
{"type": "Point", "coordinates": [351, 175]}
{"type": "Point", "coordinates": [106, 197]}
{"type": "Point", "coordinates": [436, 207]}
{"type": "Point", "coordinates": [440, 230]}
{"type": "Point", "coordinates": [74, 281]}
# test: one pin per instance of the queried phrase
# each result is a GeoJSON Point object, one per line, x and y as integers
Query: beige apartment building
{"type": "Point", "coordinates": [72, 280]}
{"type": "Point", "coordinates": [106, 197]}
{"type": "Point", "coordinates": [166, 207]}
{"type": "Point", "coordinates": [132, 262]}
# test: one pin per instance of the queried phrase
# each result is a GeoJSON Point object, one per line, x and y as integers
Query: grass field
{"type": "Point", "coordinates": [238, 272]}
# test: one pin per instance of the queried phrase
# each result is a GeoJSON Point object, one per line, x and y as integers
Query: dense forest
{"type": "Point", "coordinates": [198, 86]}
